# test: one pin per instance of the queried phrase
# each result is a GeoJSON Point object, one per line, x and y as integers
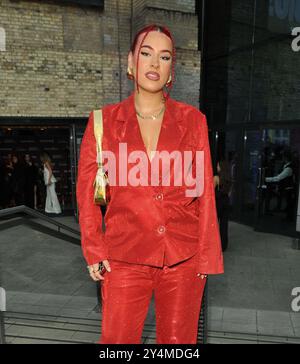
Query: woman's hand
{"type": "Point", "coordinates": [94, 270]}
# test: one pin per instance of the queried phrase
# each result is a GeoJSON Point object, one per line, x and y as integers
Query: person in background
{"type": "Point", "coordinates": [222, 183]}
{"type": "Point", "coordinates": [9, 167]}
{"type": "Point", "coordinates": [18, 180]}
{"type": "Point", "coordinates": [286, 180]}
{"type": "Point", "coordinates": [233, 163]}
{"type": "Point", "coordinates": [40, 190]}
{"type": "Point", "coordinates": [2, 183]}
{"type": "Point", "coordinates": [30, 182]}
{"type": "Point", "coordinates": [52, 204]}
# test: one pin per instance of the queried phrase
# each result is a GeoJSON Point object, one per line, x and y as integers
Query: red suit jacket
{"type": "Point", "coordinates": [149, 224]}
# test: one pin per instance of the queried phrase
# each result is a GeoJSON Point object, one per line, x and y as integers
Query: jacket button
{"type": "Point", "coordinates": [161, 229]}
{"type": "Point", "coordinates": [159, 196]}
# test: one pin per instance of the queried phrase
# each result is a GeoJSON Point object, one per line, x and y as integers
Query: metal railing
{"type": "Point", "coordinates": [9, 212]}
{"type": "Point", "coordinates": [28, 211]}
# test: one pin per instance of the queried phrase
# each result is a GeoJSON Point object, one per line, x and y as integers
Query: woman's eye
{"type": "Point", "coordinates": [165, 58]}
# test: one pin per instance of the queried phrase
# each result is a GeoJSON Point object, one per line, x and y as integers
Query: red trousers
{"type": "Point", "coordinates": [126, 294]}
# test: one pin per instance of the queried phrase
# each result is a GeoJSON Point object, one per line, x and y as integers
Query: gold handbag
{"type": "Point", "coordinates": [101, 195]}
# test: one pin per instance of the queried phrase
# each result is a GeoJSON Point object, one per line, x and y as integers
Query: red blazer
{"type": "Point", "coordinates": [153, 225]}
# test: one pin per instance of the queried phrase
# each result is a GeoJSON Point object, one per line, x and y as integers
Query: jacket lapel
{"type": "Point", "coordinates": [171, 135]}
{"type": "Point", "coordinates": [173, 129]}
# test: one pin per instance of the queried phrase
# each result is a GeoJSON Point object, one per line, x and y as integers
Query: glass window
{"type": "Point", "coordinates": [252, 74]}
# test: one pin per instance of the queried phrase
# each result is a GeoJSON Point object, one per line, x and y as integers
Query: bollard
{"type": "Point", "coordinates": [2, 309]}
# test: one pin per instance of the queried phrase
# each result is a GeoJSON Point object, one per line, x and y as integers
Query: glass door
{"type": "Point", "coordinates": [250, 174]}
{"type": "Point", "coordinates": [278, 181]}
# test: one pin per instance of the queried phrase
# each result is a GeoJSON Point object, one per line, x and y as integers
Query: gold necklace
{"type": "Point", "coordinates": [153, 117]}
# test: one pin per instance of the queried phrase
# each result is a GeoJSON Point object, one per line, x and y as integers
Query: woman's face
{"type": "Point", "coordinates": [155, 56]}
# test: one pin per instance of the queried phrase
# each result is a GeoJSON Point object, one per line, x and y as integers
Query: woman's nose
{"type": "Point", "coordinates": [155, 62]}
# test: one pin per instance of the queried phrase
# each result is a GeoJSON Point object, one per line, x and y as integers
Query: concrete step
{"type": "Point", "coordinates": [50, 329]}
{"type": "Point", "coordinates": [37, 328]}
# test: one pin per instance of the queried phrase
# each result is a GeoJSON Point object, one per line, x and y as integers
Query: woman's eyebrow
{"type": "Point", "coordinates": [163, 50]}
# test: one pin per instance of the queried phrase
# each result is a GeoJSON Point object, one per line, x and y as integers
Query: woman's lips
{"type": "Point", "coordinates": [153, 76]}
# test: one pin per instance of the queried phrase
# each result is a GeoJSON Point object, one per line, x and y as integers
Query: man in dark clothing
{"type": "Point", "coordinates": [223, 184]}
{"type": "Point", "coordinates": [18, 181]}
{"type": "Point", "coordinates": [286, 180]}
{"type": "Point", "coordinates": [2, 183]}
{"type": "Point", "coordinates": [30, 181]}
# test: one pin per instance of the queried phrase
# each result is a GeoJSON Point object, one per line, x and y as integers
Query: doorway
{"type": "Point", "coordinates": [33, 140]}
{"type": "Point", "coordinates": [278, 181]}
{"type": "Point", "coordinates": [264, 169]}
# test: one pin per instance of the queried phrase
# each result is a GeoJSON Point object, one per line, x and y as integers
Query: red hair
{"type": "Point", "coordinates": [164, 30]}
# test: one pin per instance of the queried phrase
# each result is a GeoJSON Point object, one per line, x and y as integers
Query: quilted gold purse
{"type": "Point", "coordinates": [101, 186]}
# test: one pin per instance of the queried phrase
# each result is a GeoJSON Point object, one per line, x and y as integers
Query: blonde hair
{"type": "Point", "coordinates": [45, 158]}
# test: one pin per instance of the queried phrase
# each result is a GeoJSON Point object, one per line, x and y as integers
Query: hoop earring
{"type": "Point", "coordinates": [168, 84]}
{"type": "Point", "coordinates": [129, 74]}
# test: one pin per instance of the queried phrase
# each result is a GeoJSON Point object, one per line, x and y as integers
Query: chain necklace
{"type": "Point", "coordinates": [153, 117]}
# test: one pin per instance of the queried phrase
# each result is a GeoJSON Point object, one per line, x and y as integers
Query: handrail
{"type": "Point", "coordinates": [27, 210]}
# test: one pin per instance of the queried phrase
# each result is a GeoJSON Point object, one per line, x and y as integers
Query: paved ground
{"type": "Point", "coordinates": [50, 297]}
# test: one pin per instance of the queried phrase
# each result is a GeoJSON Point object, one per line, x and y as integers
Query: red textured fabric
{"type": "Point", "coordinates": [126, 293]}
{"type": "Point", "coordinates": [154, 225]}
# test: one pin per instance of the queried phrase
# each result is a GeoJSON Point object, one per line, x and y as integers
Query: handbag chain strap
{"type": "Point", "coordinates": [98, 131]}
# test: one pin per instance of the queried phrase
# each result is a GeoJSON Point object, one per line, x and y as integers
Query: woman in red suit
{"type": "Point", "coordinates": [161, 235]}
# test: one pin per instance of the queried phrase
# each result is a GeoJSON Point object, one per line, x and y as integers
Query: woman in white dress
{"type": "Point", "coordinates": [52, 204]}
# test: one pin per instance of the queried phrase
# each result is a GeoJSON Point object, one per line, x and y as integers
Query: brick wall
{"type": "Point", "coordinates": [65, 60]}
